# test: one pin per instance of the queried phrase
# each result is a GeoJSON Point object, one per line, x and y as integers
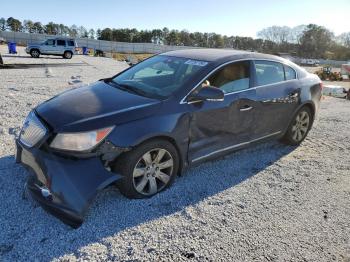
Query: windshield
{"type": "Point", "coordinates": [159, 76]}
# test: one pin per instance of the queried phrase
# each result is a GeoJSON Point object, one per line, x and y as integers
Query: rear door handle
{"type": "Point", "coordinates": [245, 108]}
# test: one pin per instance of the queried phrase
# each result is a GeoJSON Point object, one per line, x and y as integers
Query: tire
{"type": "Point", "coordinates": [67, 55]}
{"type": "Point", "coordinates": [1, 61]}
{"type": "Point", "coordinates": [35, 53]}
{"type": "Point", "coordinates": [299, 127]}
{"type": "Point", "coordinates": [142, 179]}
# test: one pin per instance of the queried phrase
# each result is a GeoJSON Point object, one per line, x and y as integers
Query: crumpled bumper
{"type": "Point", "coordinates": [64, 187]}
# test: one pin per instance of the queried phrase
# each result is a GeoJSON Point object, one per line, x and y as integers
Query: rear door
{"type": "Point", "coordinates": [217, 127]}
{"type": "Point", "coordinates": [60, 46]}
{"type": "Point", "coordinates": [278, 95]}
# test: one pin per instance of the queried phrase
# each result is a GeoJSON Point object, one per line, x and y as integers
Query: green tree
{"type": "Point", "coordinates": [14, 25]}
{"type": "Point", "coordinates": [315, 41]}
{"type": "Point", "coordinates": [38, 28]}
{"type": "Point", "coordinates": [2, 24]}
{"type": "Point", "coordinates": [28, 26]}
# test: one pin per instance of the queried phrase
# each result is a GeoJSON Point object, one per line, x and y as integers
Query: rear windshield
{"type": "Point", "coordinates": [159, 76]}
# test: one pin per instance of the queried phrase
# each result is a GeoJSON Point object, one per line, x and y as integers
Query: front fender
{"type": "Point", "coordinates": [174, 126]}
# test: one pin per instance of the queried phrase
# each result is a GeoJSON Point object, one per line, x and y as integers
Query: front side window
{"type": "Point", "coordinates": [50, 42]}
{"type": "Point", "coordinates": [289, 72]}
{"type": "Point", "coordinates": [268, 72]}
{"type": "Point", "coordinates": [231, 78]}
{"type": "Point", "coordinates": [159, 76]}
{"type": "Point", "coordinates": [61, 42]}
{"type": "Point", "coordinates": [71, 43]}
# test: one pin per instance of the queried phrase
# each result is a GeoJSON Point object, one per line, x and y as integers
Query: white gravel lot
{"type": "Point", "coordinates": [266, 203]}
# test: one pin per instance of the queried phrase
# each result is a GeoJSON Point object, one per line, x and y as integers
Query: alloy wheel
{"type": "Point", "coordinates": [301, 126]}
{"type": "Point", "coordinates": [35, 53]}
{"type": "Point", "coordinates": [153, 171]}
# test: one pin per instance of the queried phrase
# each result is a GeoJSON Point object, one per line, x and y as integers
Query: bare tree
{"type": "Point", "coordinates": [277, 34]}
{"type": "Point", "coordinates": [344, 39]}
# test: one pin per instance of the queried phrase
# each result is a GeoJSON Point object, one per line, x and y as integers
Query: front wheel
{"type": "Point", "coordinates": [147, 169]}
{"type": "Point", "coordinates": [299, 127]}
{"type": "Point", "coordinates": [35, 53]}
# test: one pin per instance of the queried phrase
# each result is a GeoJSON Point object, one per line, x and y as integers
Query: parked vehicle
{"type": "Point", "coordinates": [310, 62]}
{"type": "Point", "coordinates": [55, 46]}
{"type": "Point", "coordinates": [145, 125]}
{"type": "Point", "coordinates": [326, 73]}
{"type": "Point", "coordinates": [336, 91]}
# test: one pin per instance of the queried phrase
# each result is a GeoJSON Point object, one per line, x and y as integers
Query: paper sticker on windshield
{"type": "Point", "coordinates": [196, 62]}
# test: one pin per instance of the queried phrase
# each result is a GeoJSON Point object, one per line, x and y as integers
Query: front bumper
{"type": "Point", "coordinates": [64, 187]}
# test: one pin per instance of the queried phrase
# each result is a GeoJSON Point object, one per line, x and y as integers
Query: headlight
{"type": "Point", "coordinates": [80, 141]}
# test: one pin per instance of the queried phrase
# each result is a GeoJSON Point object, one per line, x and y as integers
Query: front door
{"type": "Point", "coordinates": [49, 47]}
{"type": "Point", "coordinates": [218, 127]}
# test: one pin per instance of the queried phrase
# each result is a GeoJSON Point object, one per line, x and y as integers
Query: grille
{"type": "Point", "coordinates": [32, 131]}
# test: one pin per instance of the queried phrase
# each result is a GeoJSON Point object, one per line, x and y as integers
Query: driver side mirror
{"type": "Point", "coordinates": [207, 93]}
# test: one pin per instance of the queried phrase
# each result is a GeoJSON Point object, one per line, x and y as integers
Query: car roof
{"type": "Point", "coordinates": [215, 55]}
{"type": "Point", "coordinates": [61, 38]}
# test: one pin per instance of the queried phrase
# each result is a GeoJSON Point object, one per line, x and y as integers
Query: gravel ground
{"type": "Point", "coordinates": [266, 203]}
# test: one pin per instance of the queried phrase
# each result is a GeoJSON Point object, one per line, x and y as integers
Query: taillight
{"type": "Point", "coordinates": [321, 85]}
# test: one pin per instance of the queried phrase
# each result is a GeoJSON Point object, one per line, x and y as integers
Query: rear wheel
{"type": "Point", "coordinates": [35, 53]}
{"type": "Point", "coordinates": [299, 127]}
{"type": "Point", "coordinates": [67, 55]}
{"type": "Point", "coordinates": [147, 169]}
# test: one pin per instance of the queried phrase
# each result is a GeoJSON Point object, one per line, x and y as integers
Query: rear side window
{"type": "Point", "coordinates": [289, 73]}
{"type": "Point", "coordinates": [61, 42]}
{"type": "Point", "coordinates": [71, 43]}
{"type": "Point", "coordinates": [231, 78]}
{"type": "Point", "coordinates": [268, 72]}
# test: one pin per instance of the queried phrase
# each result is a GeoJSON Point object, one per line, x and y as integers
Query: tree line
{"type": "Point", "coordinates": [309, 41]}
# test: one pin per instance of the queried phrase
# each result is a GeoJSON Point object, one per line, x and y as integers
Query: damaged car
{"type": "Point", "coordinates": [142, 127]}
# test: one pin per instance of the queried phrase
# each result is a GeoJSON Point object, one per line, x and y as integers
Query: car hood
{"type": "Point", "coordinates": [95, 106]}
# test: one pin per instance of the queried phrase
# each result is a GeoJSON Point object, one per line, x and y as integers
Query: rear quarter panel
{"type": "Point", "coordinates": [311, 91]}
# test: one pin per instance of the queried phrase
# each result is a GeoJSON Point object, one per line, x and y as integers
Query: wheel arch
{"type": "Point", "coordinates": [169, 139]}
{"type": "Point", "coordinates": [310, 105]}
{"type": "Point", "coordinates": [35, 48]}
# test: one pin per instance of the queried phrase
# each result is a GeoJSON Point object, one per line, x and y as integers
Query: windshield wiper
{"type": "Point", "coordinates": [133, 89]}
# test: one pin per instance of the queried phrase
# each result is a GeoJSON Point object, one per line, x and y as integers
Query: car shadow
{"type": "Point", "coordinates": [112, 213]}
{"type": "Point", "coordinates": [42, 65]}
{"type": "Point", "coordinates": [28, 56]}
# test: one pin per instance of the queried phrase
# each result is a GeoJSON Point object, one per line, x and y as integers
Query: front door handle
{"type": "Point", "coordinates": [245, 108]}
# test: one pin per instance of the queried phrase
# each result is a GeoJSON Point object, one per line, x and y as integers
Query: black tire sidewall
{"type": "Point", "coordinates": [65, 55]}
{"type": "Point", "coordinates": [125, 166]}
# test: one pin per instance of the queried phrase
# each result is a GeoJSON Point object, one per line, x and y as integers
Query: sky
{"type": "Point", "coordinates": [241, 18]}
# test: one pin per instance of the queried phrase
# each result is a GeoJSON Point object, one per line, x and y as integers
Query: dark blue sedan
{"type": "Point", "coordinates": [142, 127]}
